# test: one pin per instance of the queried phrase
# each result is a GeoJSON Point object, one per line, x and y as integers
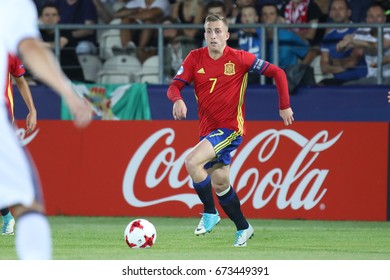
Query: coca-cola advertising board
{"type": "Point", "coordinates": [310, 170]}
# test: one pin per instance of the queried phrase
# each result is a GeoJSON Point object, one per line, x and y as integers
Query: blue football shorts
{"type": "Point", "coordinates": [224, 141]}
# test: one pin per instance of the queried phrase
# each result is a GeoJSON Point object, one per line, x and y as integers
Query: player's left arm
{"type": "Point", "coordinates": [281, 83]}
{"type": "Point", "coordinates": [24, 89]}
{"type": "Point", "coordinates": [270, 70]}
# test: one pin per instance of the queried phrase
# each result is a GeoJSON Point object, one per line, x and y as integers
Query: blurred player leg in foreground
{"type": "Point", "coordinates": [19, 186]}
{"type": "Point", "coordinates": [7, 227]}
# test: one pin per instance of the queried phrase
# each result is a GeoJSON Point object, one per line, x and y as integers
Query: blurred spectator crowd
{"type": "Point", "coordinates": [311, 56]}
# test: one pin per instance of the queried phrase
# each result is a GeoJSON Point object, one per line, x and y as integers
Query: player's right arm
{"type": "Point", "coordinates": [179, 110]}
{"type": "Point", "coordinates": [183, 76]}
{"type": "Point", "coordinates": [44, 65]}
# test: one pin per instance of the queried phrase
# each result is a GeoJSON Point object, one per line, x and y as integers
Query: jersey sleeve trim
{"type": "Point", "coordinates": [181, 80]}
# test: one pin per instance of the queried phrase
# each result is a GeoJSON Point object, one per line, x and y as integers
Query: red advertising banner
{"type": "Point", "coordinates": [310, 170]}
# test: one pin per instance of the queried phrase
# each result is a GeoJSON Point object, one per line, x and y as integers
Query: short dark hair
{"type": "Point", "coordinates": [269, 5]}
{"type": "Point", "coordinates": [345, 1]}
{"type": "Point", "coordinates": [49, 4]}
{"type": "Point", "coordinates": [377, 4]}
{"type": "Point", "coordinates": [215, 4]}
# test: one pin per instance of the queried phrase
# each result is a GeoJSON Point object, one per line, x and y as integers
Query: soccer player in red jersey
{"type": "Point", "coordinates": [16, 70]}
{"type": "Point", "coordinates": [220, 74]}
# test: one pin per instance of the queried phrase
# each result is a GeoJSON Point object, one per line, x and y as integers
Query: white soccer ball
{"type": "Point", "coordinates": [140, 233]}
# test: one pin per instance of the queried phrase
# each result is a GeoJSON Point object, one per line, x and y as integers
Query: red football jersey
{"type": "Point", "coordinates": [16, 69]}
{"type": "Point", "coordinates": [220, 87]}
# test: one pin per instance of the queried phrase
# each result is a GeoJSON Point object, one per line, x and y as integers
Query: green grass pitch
{"type": "Point", "coordinates": [101, 238]}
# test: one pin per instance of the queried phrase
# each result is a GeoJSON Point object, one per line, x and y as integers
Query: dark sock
{"type": "Point", "coordinates": [232, 207]}
{"type": "Point", "coordinates": [204, 191]}
{"type": "Point", "coordinates": [4, 211]}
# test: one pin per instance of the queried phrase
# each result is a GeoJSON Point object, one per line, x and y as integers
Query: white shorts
{"type": "Point", "coordinates": [18, 184]}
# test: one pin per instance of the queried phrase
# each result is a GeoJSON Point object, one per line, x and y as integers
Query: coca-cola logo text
{"type": "Point", "coordinates": [260, 188]}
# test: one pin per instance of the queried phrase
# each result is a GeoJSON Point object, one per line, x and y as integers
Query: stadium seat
{"type": "Point", "coordinates": [117, 67]}
{"type": "Point", "coordinates": [113, 77]}
{"type": "Point", "coordinates": [150, 70]}
{"type": "Point", "coordinates": [91, 65]}
{"type": "Point", "coordinates": [109, 39]}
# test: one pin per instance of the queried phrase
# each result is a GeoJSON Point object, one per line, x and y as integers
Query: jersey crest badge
{"type": "Point", "coordinates": [229, 69]}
